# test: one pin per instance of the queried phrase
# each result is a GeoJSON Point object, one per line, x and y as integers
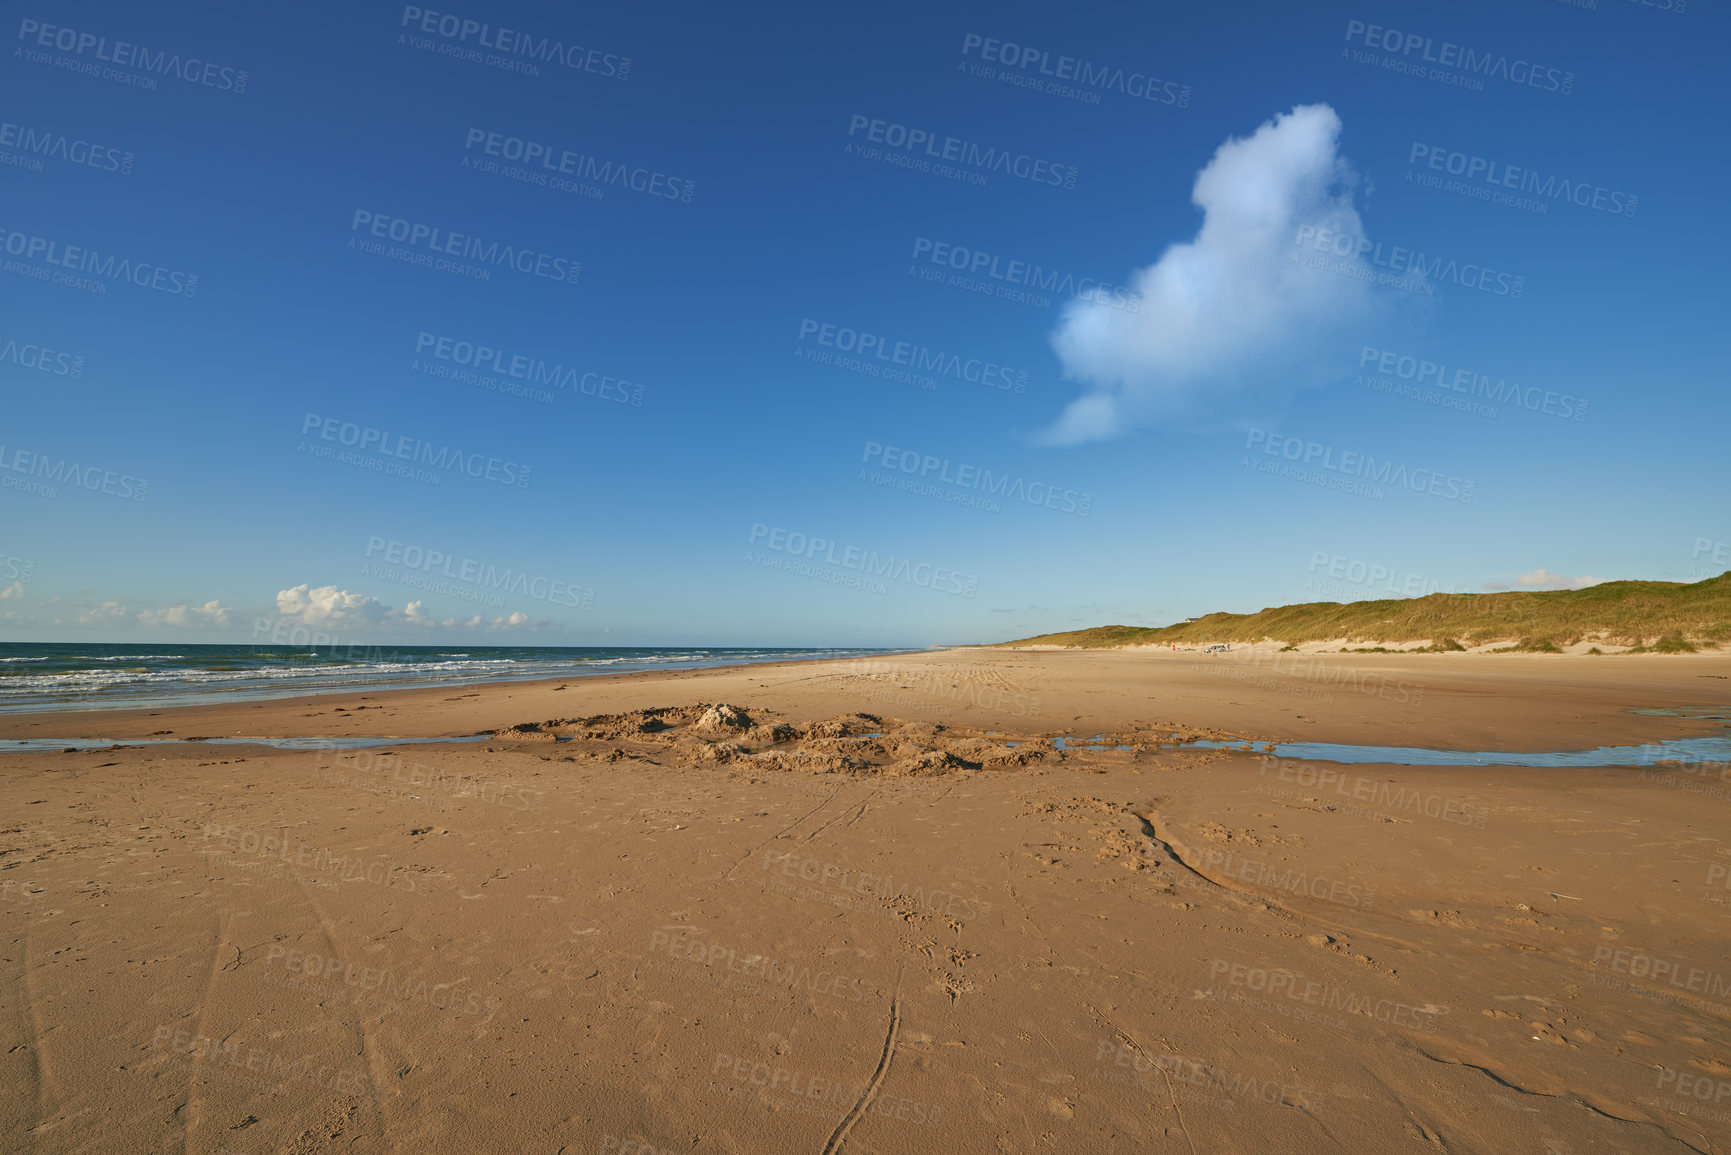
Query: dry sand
{"type": "Point", "coordinates": [680, 932]}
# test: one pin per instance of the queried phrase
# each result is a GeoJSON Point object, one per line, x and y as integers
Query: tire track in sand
{"type": "Point", "coordinates": [838, 1138]}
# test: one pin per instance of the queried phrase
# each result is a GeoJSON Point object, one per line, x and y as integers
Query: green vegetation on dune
{"type": "Point", "coordinates": [1667, 617]}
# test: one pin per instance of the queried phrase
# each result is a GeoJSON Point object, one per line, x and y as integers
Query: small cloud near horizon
{"type": "Point", "coordinates": [1543, 579]}
{"type": "Point", "coordinates": [212, 615]}
{"type": "Point", "coordinates": [327, 607]}
{"type": "Point", "coordinates": [324, 609]}
{"type": "Point", "coordinates": [104, 614]}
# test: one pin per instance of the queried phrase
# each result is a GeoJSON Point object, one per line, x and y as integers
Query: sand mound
{"type": "Point", "coordinates": [847, 725]}
{"type": "Point", "coordinates": [771, 735]}
{"type": "Point", "coordinates": [722, 719]}
{"type": "Point", "coordinates": [720, 734]}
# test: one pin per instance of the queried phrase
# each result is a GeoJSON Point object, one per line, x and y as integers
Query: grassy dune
{"type": "Point", "coordinates": [1662, 616]}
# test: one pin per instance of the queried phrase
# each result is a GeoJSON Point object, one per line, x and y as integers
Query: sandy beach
{"type": "Point", "coordinates": [647, 579]}
{"type": "Point", "coordinates": [877, 906]}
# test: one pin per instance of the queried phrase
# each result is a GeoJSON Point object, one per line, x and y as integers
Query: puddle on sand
{"type": "Point", "coordinates": [1681, 750]}
{"type": "Point", "coordinates": [55, 745]}
{"type": "Point", "coordinates": [1071, 742]}
{"type": "Point", "coordinates": [1097, 742]}
{"type": "Point", "coordinates": [1690, 751]}
{"type": "Point", "coordinates": [1684, 751]}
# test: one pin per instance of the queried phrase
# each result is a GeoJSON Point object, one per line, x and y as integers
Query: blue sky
{"type": "Point", "coordinates": [1215, 428]}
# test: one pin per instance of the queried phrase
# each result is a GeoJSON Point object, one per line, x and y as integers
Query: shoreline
{"type": "Point", "coordinates": [110, 717]}
{"type": "Point", "coordinates": [1260, 694]}
{"type": "Point", "coordinates": [213, 692]}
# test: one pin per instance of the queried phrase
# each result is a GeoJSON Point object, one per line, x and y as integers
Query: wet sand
{"type": "Point", "coordinates": [924, 930]}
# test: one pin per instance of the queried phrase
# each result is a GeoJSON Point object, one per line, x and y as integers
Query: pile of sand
{"type": "Point", "coordinates": [759, 739]}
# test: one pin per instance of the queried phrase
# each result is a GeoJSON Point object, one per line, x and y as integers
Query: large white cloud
{"type": "Point", "coordinates": [1235, 300]}
{"type": "Point", "coordinates": [329, 606]}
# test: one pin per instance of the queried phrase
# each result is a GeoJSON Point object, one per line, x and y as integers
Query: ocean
{"type": "Point", "coordinates": [76, 675]}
